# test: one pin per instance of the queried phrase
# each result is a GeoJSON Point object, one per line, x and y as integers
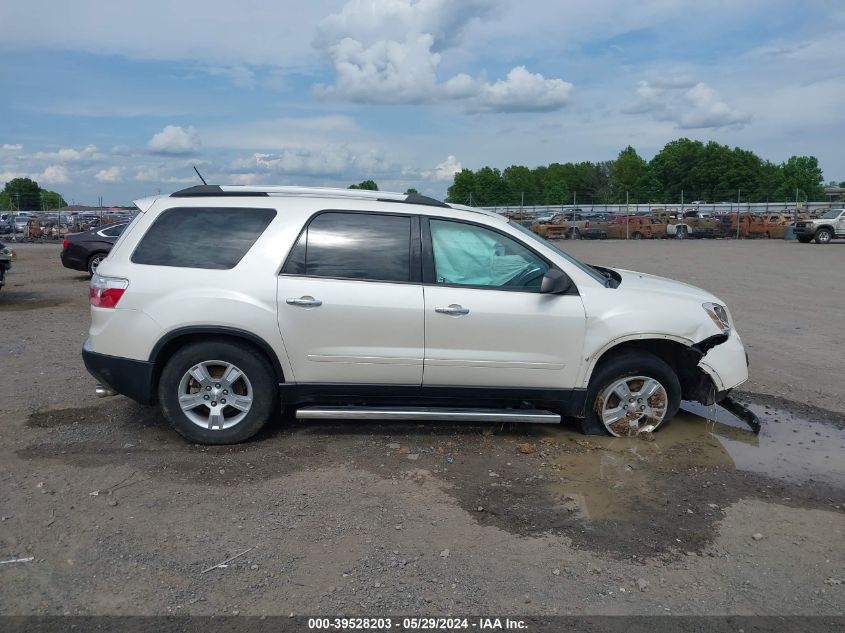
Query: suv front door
{"type": "Point", "coordinates": [486, 322]}
{"type": "Point", "coordinates": [350, 303]}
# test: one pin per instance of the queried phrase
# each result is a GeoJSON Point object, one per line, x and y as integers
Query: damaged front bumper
{"type": "Point", "coordinates": [726, 363]}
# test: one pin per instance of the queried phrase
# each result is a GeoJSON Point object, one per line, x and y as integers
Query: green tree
{"type": "Point", "coordinates": [628, 176]}
{"type": "Point", "coordinates": [22, 194]}
{"type": "Point", "coordinates": [491, 189]}
{"type": "Point", "coordinates": [555, 187]}
{"type": "Point", "coordinates": [673, 170]}
{"type": "Point", "coordinates": [52, 200]}
{"type": "Point", "coordinates": [521, 185]}
{"type": "Point", "coordinates": [411, 190]}
{"type": "Point", "coordinates": [369, 185]}
{"type": "Point", "coordinates": [801, 174]}
{"type": "Point", "coordinates": [462, 188]}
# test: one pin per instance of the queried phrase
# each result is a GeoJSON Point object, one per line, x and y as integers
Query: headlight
{"type": "Point", "coordinates": [719, 316]}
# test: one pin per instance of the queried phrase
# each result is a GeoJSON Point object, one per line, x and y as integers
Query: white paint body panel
{"type": "Point", "coordinates": [364, 331]}
{"type": "Point", "coordinates": [495, 345]}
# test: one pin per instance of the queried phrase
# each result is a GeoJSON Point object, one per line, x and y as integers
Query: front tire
{"type": "Point", "coordinates": [681, 233]}
{"type": "Point", "coordinates": [633, 393]}
{"type": "Point", "coordinates": [823, 236]}
{"type": "Point", "coordinates": [218, 392]}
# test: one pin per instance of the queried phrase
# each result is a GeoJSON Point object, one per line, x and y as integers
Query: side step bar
{"type": "Point", "coordinates": [429, 414]}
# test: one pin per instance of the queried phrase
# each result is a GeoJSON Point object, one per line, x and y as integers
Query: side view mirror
{"type": "Point", "coordinates": [555, 282]}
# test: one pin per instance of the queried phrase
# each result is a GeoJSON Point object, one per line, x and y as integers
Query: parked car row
{"type": "Point", "coordinates": [56, 225]}
{"type": "Point", "coordinates": [661, 223]}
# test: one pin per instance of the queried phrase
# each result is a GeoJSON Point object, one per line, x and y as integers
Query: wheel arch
{"type": "Point", "coordinates": [825, 226]}
{"type": "Point", "coordinates": [681, 354]}
{"type": "Point", "coordinates": [174, 340]}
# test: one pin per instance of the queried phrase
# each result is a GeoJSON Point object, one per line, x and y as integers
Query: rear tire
{"type": "Point", "coordinates": [94, 262]}
{"type": "Point", "coordinates": [637, 235]}
{"type": "Point", "coordinates": [179, 389]}
{"type": "Point", "coordinates": [630, 367]}
{"type": "Point", "coordinates": [823, 236]}
{"type": "Point", "coordinates": [576, 234]}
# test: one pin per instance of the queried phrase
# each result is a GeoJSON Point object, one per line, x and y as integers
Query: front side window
{"type": "Point", "coordinates": [202, 237]}
{"type": "Point", "coordinates": [469, 255]}
{"type": "Point", "coordinates": [375, 247]}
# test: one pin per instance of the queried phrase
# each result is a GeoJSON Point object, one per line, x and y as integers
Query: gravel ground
{"type": "Point", "coordinates": [120, 516]}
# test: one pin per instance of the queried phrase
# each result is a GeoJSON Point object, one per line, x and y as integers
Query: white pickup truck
{"type": "Point", "coordinates": [829, 226]}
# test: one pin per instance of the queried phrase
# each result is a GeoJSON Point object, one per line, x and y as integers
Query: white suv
{"type": "Point", "coordinates": [224, 304]}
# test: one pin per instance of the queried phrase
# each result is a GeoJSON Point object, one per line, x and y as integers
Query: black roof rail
{"type": "Point", "coordinates": [416, 198]}
{"type": "Point", "coordinates": [202, 191]}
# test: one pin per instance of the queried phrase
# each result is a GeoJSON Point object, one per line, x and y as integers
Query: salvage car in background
{"type": "Point", "coordinates": [84, 251]}
{"type": "Point", "coordinates": [6, 257]}
{"type": "Point", "coordinates": [822, 229]}
{"type": "Point", "coordinates": [635, 227]}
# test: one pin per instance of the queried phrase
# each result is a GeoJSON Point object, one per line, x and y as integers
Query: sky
{"type": "Point", "coordinates": [120, 99]}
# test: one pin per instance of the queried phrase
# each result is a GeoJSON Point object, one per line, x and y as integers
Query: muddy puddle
{"type": "Point", "coordinates": [615, 476]}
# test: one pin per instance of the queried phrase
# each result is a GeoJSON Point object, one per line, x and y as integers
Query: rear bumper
{"type": "Point", "coordinates": [127, 376]}
{"type": "Point", "coordinates": [74, 262]}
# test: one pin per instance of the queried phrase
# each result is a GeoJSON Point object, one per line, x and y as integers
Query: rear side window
{"type": "Point", "coordinates": [114, 231]}
{"type": "Point", "coordinates": [368, 246]}
{"type": "Point", "coordinates": [202, 237]}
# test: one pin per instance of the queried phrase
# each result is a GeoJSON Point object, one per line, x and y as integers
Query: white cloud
{"type": "Point", "coordinates": [11, 147]}
{"type": "Point", "coordinates": [70, 154]}
{"type": "Point", "coordinates": [389, 52]}
{"type": "Point", "coordinates": [447, 169]}
{"type": "Point", "coordinates": [174, 139]}
{"type": "Point", "coordinates": [523, 91]}
{"type": "Point", "coordinates": [55, 174]}
{"type": "Point", "coordinates": [687, 104]}
{"type": "Point", "coordinates": [322, 160]}
{"type": "Point", "coordinates": [111, 174]}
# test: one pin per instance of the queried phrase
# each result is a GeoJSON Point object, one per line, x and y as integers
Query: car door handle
{"type": "Point", "coordinates": [305, 301]}
{"type": "Point", "coordinates": [453, 309]}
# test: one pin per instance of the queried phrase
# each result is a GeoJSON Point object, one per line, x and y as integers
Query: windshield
{"type": "Point", "coordinates": [592, 272]}
{"type": "Point", "coordinates": [833, 213]}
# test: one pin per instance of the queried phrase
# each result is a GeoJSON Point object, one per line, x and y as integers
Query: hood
{"type": "Point", "coordinates": [632, 280]}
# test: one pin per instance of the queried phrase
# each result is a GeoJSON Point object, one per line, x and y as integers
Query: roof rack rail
{"type": "Point", "coordinates": [328, 192]}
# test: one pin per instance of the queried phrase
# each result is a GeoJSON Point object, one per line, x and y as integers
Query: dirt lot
{"type": "Point", "coordinates": [123, 517]}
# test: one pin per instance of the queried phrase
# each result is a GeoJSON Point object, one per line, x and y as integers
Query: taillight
{"type": "Point", "coordinates": [587, 224]}
{"type": "Point", "coordinates": [105, 292]}
{"type": "Point", "coordinates": [65, 243]}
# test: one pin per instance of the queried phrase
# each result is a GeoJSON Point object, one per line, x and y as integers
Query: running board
{"type": "Point", "coordinates": [429, 414]}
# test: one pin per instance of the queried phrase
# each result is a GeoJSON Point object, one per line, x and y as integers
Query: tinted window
{"type": "Point", "coordinates": [470, 255]}
{"type": "Point", "coordinates": [354, 246]}
{"type": "Point", "coordinates": [197, 237]}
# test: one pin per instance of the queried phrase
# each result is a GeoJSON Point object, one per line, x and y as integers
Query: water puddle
{"type": "Point", "coordinates": [614, 477]}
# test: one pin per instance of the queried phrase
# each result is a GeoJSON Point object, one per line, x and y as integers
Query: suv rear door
{"type": "Point", "coordinates": [350, 300]}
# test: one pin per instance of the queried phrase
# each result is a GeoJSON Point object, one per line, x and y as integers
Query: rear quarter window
{"type": "Point", "coordinates": [202, 237]}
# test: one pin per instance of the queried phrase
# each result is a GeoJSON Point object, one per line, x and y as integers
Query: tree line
{"type": "Point", "coordinates": [708, 172]}
{"type": "Point", "coordinates": [24, 194]}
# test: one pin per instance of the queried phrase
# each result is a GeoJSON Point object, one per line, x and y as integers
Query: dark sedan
{"type": "Point", "coordinates": [84, 251]}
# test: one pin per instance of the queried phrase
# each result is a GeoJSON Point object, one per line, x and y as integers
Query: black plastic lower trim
{"type": "Point", "coordinates": [127, 376]}
{"type": "Point", "coordinates": [567, 402]}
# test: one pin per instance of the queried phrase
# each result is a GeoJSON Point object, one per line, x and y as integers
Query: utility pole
{"type": "Point", "coordinates": [574, 197]}
{"type": "Point", "coordinates": [737, 213]}
{"type": "Point", "coordinates": [627, 215]}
